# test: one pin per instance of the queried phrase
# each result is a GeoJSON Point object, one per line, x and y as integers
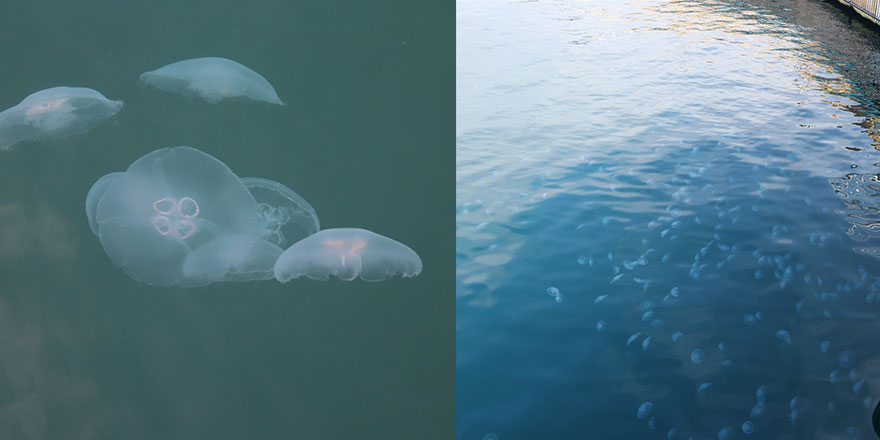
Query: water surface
{"type": "Point", "coordinates": [666, 202]}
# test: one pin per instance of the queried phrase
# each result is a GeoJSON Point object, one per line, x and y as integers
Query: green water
{"type": "Point", "coordinates": [367, 138]}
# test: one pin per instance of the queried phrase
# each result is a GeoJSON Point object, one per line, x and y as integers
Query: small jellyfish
{"type": "Point", "coordinates": [749, 320]}
{"type": "Point", "coordinates": [212, 79]}
{"type": "Point", "coordinates": [553, 291]}
{"type": "Point", "coordinates": [698, 355]}
{"type": "Point", "coordinates": [347, 253]}
{"type": "Point", "coordinates": [824, 346]}
{"type": "Point", "coordinates": [647, 343]}
{"type": "Point", "coordinates": [748, 427]}
{"type": "Point", "coordinates": [704, 387]}
{"type": "Point", "coordinates": [284, 216]}
{"type": "Point", "coordinates": [600, 298]}
{"type": "Point", "coordinates": [490, 436]}
{"type": "Point", "coordinates": [674, 292]}
{"type": "Point", "coordinates": [783, 336]}
{"type": "Point", "coordinates": [644, 410]}
{"type": "Point", "coordinates": [761, 393]}
{"type": "Point", "coordinates": [582, 260]}
{"type": "Point", "coordinates": [94, 196]}
{"type": "Point", "coordinates": [600, 325]}
{"type": "Point", "coordinates": [633, 338]}
{"type": "Point", "coordinates": [676, 336]}
{"type": "Point", "coordinates": [724, 433]}
{"type": "Point", "coordinates": [858, 386]}
{"type": "Point", "coordinates": [166, 208]}
{"type": "Point", "coordinates": [54, 113]}
{"type": "Point", "coordinates": [757, 411]}
{"type": "Point", "coordinates": [846, 359]}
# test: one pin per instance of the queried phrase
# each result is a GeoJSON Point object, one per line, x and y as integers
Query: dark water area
{"type": "Point", "coordinates": [666, 220]}
{"type": "Point", "coordinates": [89, 353]}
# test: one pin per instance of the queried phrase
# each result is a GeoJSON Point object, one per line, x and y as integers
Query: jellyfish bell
{"type": "Point", "coordinates": [347, 253]}
{"type": "Point", "coordinates": [54, 113]}
{"type": "Point", "coordinates": [212, 79]}
{"type": "Point", "coordinates": [170, 204]}
{"type": "Point", "coordinates": [95, 193]}
{"type": "Point", "coordinates": [284, 216]}
{"type": "Point", "coordinates": [223, 260]}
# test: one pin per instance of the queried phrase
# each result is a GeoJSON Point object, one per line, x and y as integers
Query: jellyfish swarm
{"type": "Point", "coordinates": [212, 79]}
{"type": "Point", "coordinates": [179, 216]}
{"type": "Point", "coordinates": [347, 253]}
{"type": "Point", "coordinates": [55, 113]}
{"type": "Point", "coordinates": [284, 216]}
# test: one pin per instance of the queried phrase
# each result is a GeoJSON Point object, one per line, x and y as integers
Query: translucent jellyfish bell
{"type": "Point", "coordinates": [347, 253]}
{"type": "Point", "coordinates": [55, 113]}
{"type": "Point", "coordinates": [212, 79]}
{"type": "Point", "coordinates": [94, 196]}
{"type": "Point", "coordinates": [172, 204]}
{"type": "Point", "coordinates": [284, 216]}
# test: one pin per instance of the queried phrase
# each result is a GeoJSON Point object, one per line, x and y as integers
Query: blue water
{"type": "Point", "coordinates": [667, 224]}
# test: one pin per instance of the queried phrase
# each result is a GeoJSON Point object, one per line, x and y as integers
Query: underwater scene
{"type": "Point", "coordinates": [226, 220]}
{"type": "Point", "coordinates": [667, 223]}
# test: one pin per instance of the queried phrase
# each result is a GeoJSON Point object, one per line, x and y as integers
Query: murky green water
{"type": "Point", "coordinates": [88, 353]}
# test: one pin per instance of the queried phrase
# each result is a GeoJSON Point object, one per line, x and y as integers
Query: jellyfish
{"type": "Point", "coordinates": [54, 113]}
{"type": "Point", "coordinates": [212, 79]}
{"type": "Point", "coordinates": [220, 260]}
{"type": "Point", "coordinates": [284, 216]}
{"type": "Point", "coordinates": [179, 216]}
{"type": "Point", "coordinates": [347, 253]}
{"type": "Point", "coordinates": [95, 194]}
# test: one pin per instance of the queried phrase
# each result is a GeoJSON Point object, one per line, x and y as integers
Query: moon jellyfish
{"type": "Point", "coordinates": [347, 253]}
{"type": "Point", "coordinates": [748, 427]}
{"type": "Point", "coordinates": [54, 113]}
{"type": "Point", "coordinates": [179, 216]}
{"type": "Point", "coordinates": [846, 359]}
{"type": "Point", "coordinates": [284, 216]}
{"type": "Point", "coordinates": [644, 410]}
{"type": "Point", "coordinates": [219, 260]}
{"type": "Point", "coordinates": [784, 336]}
{"type": "Point", "coordinates": [94, 196]}
{"type": "Point", "coordinates": [212, 79]}
{"type": "Point", "coordinates": [698, 355]}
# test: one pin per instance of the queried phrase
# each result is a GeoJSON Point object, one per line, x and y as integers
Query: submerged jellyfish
{"type": "Point", "coordinates": [179, 216]}
{"type": "Point", "coordinates": [94, 196]}
{"type": "Point", "coordinates": [284, 216]}
{"type": "Point", "coordinates": [55, 113]}
{"type": "Point", "coordinates": [212, 79]}
{"type": "Point", "coordinates": [347, 253]}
